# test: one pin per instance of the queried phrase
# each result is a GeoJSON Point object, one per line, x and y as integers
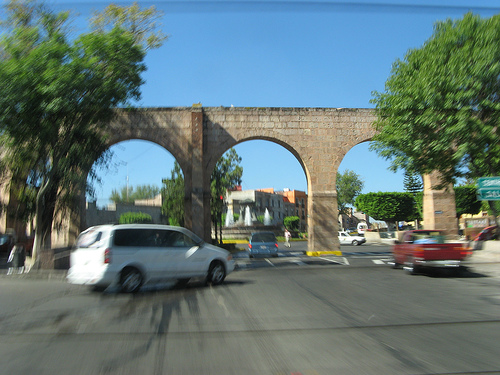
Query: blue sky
{"type": "Point", "coordinates": [275, 54]}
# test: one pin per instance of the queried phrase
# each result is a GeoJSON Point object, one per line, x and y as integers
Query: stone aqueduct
{"type": "Point", "coordinates": [318, 137]}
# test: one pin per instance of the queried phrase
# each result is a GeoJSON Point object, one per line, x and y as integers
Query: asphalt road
{"type": "Point", "coordinates": [326, 317]}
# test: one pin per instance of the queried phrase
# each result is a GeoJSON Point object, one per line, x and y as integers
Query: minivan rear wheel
{"type": "Point", "coordinates": [216, 273]}
{"type": "Point", "coordinates": [131, 280]}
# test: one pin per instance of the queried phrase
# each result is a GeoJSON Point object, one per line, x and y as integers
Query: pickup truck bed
{"type": "Point", "coordinates": [426, 248]}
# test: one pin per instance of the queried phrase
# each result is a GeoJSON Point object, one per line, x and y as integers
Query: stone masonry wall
{"type": "Point", "coordinates": [197, 137]}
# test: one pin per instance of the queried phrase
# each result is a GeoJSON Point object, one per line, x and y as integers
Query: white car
{"type": "Point", "coordinates": [346, 238]}
{"type": "Point", "coordinates": [134, 254]}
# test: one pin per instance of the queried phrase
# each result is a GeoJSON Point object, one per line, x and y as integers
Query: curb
{"type": "Point", "coordinates": [321, 253]}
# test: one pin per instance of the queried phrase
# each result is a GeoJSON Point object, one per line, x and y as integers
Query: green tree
{"type": "Point", "coordinates": [61, 92]}
{"type": "Point", "coordinates": [173, 197]}
{"type": "Point", "coordinates": [389, 207]}
{"type": "Point", "coordinates": [291, 223]}
{"type": "Point", "coordinates": [466, 200]}
{"type": "Point", "coordinates": [440, 109]}
{"type": "Point", "coordinates": [131, 194]}
{"type": "Point", "coordinates": [412, 183]}
{"type": "Point", "coordinates": [349, 186]}
{"type": "Point", "coordinates": [226, 174]}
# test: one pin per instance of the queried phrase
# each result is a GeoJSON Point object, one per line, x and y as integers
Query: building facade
{"type": "Point", "coordinates": [258, 201]}
{"type": "Point", "coordinates": [299, 200]}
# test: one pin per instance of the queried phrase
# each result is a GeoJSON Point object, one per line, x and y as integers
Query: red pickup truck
{"type": "Point", "coordinates": [427, 248]}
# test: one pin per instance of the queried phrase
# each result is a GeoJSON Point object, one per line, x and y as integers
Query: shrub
{"type": "Point", "coordinates": [292, 223]}
{"type": "Point", "coordinates": [135, 218]}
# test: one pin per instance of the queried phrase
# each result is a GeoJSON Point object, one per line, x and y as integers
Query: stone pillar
{"type": "Point", "coordinates": [323, 223]}
{"type": "Point", "coordinates": [199, 209]}
{"type": "Point", "coordinates": [439, 206]}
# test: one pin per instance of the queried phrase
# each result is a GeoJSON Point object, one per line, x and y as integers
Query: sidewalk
{"type": "Point", "coordinates": [487, 260]}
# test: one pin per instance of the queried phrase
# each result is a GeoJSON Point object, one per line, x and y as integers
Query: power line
{"type": "Point", "coordinates": [264, 6]}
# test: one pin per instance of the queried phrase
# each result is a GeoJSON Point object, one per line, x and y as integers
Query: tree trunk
{"type": "Point", "coordinates": [493, 209]}
{"type": "Point", "coordinates": [215, 227]}
{"type": "Point", "coordinates": [220, 228]}
{"type": "Point", "coordinates": [45, 207]}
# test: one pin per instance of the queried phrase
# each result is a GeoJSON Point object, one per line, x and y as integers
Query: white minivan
{"type": "Point", "coordinates": [130, 255]}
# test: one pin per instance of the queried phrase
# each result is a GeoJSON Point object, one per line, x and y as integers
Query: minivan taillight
{"type": "Point", "coordinates": [107, 256]}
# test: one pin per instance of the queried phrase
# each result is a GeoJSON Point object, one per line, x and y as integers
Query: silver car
{"type": "Point", "coordinates": [134, 254]}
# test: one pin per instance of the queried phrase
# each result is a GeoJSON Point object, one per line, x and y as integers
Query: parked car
{"type": "Point", "coordinates": [131, 255]}
{"type": "Point", "coordinates": [7, 242]}
{"type": "Point", "coordinates": [362, 228]}
{"type": "Point", "coordinates": [346, 238]}
{"type": "Point", "coordinates": [263, 243]}
{"type": "Point", "coordinates": [488, 233]}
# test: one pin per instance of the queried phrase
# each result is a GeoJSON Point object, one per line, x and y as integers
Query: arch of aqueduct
{"type": "Point", "coordinates": [318, 137]}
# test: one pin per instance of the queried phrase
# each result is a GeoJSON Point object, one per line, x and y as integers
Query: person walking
{"type": "Point", "coordinates": [287, 238]}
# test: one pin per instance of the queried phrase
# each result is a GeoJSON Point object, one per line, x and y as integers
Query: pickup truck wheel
{"type": "Point", "coordinates": [413, 270]}
{"type": "Point", "coordinates": [396, 265]}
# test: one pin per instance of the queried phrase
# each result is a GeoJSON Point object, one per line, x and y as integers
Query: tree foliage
{"type": "Point", "coordinates": [349, 186]}
{"type": "Point", "coordinates": [291, 223]}
{"type": "Point", "coordinates": [466, 200]}
{"type": "Point", "coordinates": [60, 93]}
{"type": "Point", "coordinates": [131, 194]}
{"type": "Point", "coordinates": [412, 182]}
{"type": "Point", "coordinates": [142, 24]}
{"type": "Point", "coordinates": [173, 197]}
{"type": "Point", "coordinates": [440, 110]}
{"type": "Point", "coordinates": [389, 207]}
{"type": "Point", "coordinates": [226, 174]}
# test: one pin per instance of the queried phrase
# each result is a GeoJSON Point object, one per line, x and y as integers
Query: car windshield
{"type": "Point", "coordinates": [429, 237]}
{"type": "Point", "coordinates": [263, 237]}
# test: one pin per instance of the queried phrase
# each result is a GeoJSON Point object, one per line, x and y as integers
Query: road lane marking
{"type": "Point", "coordinates": [335, 260]}
{"type": "Point", "coordinates": [271, 263]}
{"type": "Point", "coordinates": [378, 261]}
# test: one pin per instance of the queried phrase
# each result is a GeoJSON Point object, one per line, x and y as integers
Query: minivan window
{"type": "Point", "coordinates": [152, 238]}
{"type": "Point", "coordinates": [89, 238]}
{"type": "Point", "coordinates": [178, 239]}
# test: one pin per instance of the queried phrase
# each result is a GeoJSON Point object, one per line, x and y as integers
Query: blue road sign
{"type": "Point", "coordinates": [488, 182]}
{"type": "Point", "coordinates": [490, 194]}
